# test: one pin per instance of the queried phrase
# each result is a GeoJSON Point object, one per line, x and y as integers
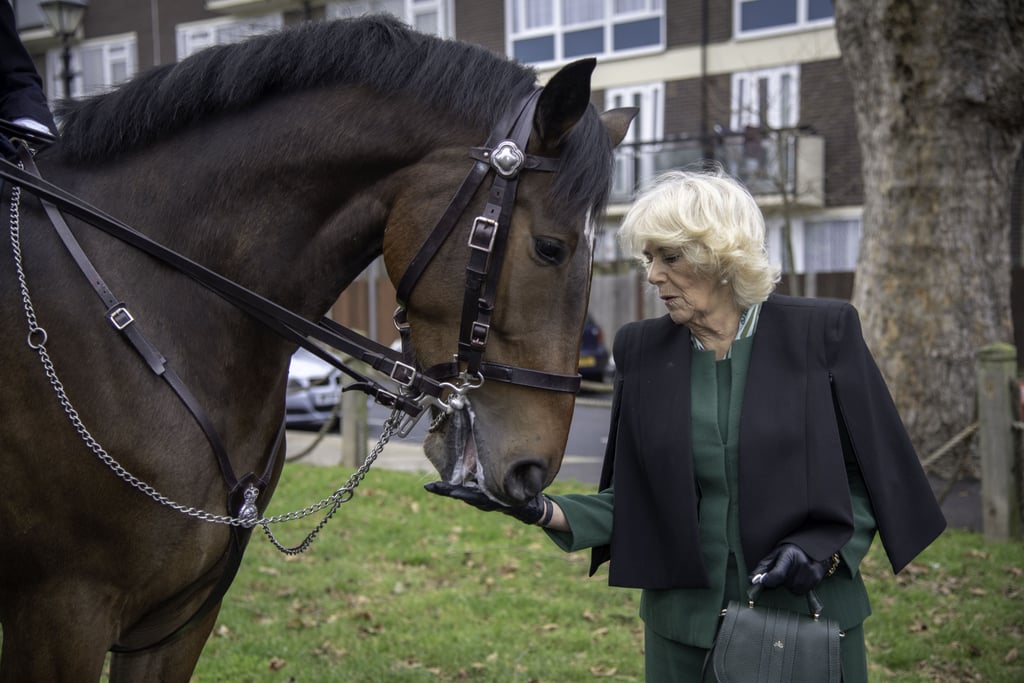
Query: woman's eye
{"type": "Point", "coordinates": [549, 250]}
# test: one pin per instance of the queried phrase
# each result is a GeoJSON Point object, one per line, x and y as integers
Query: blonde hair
{"type": "Point", "coordinates": [715, 224]}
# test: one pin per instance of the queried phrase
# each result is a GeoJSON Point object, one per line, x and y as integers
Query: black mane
{"type": "Point", "coordinates": [376, 51]}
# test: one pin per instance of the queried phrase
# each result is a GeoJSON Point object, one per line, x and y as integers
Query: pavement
{"type": "Point", "coordinates": [961, 502]}
{"type": "Point", "coordinates": [402, 455]}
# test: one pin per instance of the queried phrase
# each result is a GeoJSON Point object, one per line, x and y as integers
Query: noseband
{"type": "Point", "coordinates": [504, 155]}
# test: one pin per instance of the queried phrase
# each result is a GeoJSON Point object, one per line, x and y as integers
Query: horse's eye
{"type": "Point", "coordinates": [549, 251]}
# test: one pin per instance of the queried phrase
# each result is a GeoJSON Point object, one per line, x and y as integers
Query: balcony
{"type": "Point", "coordinates": [779, 167]}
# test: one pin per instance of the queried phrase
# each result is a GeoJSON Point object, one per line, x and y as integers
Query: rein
{"type": "Point", "coordinates": [443, 386]}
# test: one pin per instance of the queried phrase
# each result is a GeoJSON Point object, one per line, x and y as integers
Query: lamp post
{"type": "Point", "coordinates": [64, 17]}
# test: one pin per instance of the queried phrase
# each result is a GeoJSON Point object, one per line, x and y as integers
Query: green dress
{"type": "Point", "coordinates": [681, 623]}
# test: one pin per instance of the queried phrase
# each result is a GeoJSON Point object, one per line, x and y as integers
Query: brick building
{"type": "Point", "coordinates": [756, 84]}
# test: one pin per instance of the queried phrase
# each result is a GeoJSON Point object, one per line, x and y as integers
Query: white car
{"type": "Point", "coordinates": [314, 390]}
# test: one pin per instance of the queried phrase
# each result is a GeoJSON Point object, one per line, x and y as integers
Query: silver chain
{"type": "Point", "coordinates": [248, 517]}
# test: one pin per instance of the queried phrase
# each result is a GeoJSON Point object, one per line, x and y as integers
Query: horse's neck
{"type": "Point", "coordinates": [273, 205]}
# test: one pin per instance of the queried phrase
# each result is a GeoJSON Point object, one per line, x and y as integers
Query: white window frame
{"type": "Point", "coordinates": [516, 15]}
{"type": "Point", "coordinates": [409, 11]}
{"type": "Point", "coordinates": [783, 92]}
{"type": "Point", "coordinates": [802, 228]}
{"type": "Point", "coordinates": [852, 232]}
{"type": "Point", "coordinates": [635, 164]}
{"type": "Point", "coordinates": [120, 50]}
{"type": "Point", "coordinates": [194, 36]}
{"type": "Point", "coordinates": [802, 22]}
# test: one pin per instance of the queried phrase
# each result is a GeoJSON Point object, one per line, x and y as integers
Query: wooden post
{"type": "Point", "coordinates": [998, 408]}
{"type": "Point", "coordinates": [355, 428]}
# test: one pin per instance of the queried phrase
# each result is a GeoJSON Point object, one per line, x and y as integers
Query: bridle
{"type": "Point", "coordinates": [488, 238]}
{"type": "Point", "coordinates": [442, 386]}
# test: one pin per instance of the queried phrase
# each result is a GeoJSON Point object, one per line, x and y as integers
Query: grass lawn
{"type": "Point", "coordinates": [405, 586]}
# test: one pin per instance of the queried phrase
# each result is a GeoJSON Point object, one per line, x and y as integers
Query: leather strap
{"type": "Point", "coordinates": [124, 322]}
{"type": "Point", "coordinates": [291, 326]}
{"type": "Point", "coordinates": [399, 366]}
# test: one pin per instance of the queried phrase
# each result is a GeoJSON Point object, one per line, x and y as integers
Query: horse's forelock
{"type": "Point", "coordinates": [582, 183]}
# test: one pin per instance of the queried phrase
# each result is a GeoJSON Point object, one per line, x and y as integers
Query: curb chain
{"type": "Point", "coordinates": [36, 340]}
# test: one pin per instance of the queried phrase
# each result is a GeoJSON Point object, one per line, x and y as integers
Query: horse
{"type": "Point", "coordinates": [284, 165]}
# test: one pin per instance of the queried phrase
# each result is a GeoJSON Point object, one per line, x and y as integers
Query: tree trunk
{"type": "Point", "coordinates": [939, 100]}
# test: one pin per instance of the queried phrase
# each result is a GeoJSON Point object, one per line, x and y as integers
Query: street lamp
{"type": "Point", "coordinates": [64, 17]}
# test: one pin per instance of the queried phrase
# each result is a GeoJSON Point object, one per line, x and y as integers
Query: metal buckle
{"type": "Point", "coordinates": [478, 335]}
{"type": "Point", "coordinates": [403, 374]}
{"type": "Point", "coordinates": [479, 222]}
{"type": "Point", "coordinates": [507, 159]}
{"type": "Point", "coordinates": [121, 318]}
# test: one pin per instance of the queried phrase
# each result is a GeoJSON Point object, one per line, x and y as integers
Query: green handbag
{"type": "Point", "coordinates": [769, 645]}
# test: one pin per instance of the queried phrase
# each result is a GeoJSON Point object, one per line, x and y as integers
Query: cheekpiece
{"type": "Point", "coordinates": [507, 159]}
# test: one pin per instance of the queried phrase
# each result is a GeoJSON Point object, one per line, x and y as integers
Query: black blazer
{"type": "Point", "coordinates": [811, 386]}
{"type": "Point", "coordinates": [21, 89]}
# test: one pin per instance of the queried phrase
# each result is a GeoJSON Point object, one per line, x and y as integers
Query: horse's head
{"type": "Point", "coordinates": [508, 436]}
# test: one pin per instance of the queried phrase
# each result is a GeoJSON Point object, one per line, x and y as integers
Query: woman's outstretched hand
{"type": "Point", "coordinates": [530, 512]}
{"type": "Point", "coordinates": [789, 566]}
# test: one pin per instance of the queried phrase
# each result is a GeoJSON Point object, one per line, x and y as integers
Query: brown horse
{"type": "Point", "coordinates": [285, 164]}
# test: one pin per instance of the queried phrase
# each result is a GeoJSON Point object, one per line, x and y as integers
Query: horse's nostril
{"type": "Point", "coordinates": [525, 480]}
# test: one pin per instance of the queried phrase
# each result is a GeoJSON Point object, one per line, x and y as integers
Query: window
{"type": "Point", "coordinates": [195, 36]}
{"type": "Point", "coordinates": [428, 16]}
{"type": "Point", "coordinates": [769, 98]}
{"type": "Point", "coordinates": [763, 102]}
{"type": "Point", "coordinates": [551, 31]}
{"type": "Point", "coordinates": [98, 65]}
{"type": "Point", "coordinates": [760, 16]}
{"type": "Point", "coordinates": [831, 245]}
{"type": "Point", "coordinates": [820, 245]}
{"type": "Point", "coordinates": [634, 162]}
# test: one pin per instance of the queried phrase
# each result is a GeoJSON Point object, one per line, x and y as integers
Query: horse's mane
{"type": "Point", "coordinates": [378, 52]}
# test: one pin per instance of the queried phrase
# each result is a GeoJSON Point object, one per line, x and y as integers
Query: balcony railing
{"type": "Point", "coordinates": [777, 166]}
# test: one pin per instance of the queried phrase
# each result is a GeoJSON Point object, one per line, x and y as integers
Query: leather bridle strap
{"type": "Point", "coordinates": [123, 321]}
{"type": "Point", "coordinates": [293, 327]}
{"type": "Point", "coordinates": [458, 204]}
{"type": "Point", "coordinates": [487, 242]}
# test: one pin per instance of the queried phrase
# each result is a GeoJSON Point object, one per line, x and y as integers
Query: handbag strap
{"type": "Point", "coordinates": [814, 604]}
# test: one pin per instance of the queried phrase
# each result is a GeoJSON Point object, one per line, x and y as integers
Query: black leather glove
{"type": "Point", "coordinates": [789, 566]}
{"type": "Point", "coordinates": [531, 512]}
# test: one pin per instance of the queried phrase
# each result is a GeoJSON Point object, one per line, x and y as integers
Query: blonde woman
{"type": "Point", "coordinates": [752, 439]}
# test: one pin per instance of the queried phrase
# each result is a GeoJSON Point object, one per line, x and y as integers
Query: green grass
{"type": "Point", "coordinates": [405, 586]}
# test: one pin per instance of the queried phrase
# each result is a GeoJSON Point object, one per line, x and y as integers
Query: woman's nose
{"type": "Point", "coordinates": [654, 274]}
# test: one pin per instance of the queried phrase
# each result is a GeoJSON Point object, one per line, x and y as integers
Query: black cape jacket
{"type": "Point", "coordinates": [812, 388]}
{"type": "Point", "coordinates": [21, 89]}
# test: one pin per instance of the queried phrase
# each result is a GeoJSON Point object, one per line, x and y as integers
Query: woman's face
{"type": "Point", "coordinates": [689, 298]}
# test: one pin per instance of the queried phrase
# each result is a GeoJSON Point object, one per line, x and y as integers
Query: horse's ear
{"type": "Point", "coordinates": [617, 121]}
{"type": "Point", "coordinates": [563, 101]}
